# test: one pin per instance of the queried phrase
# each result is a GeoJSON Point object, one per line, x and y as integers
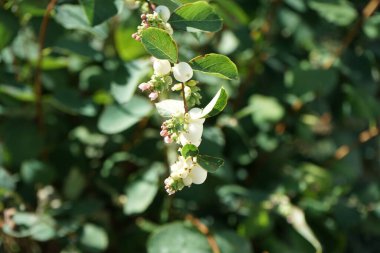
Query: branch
{"type": "Point", "coordinates": [368, 10]}
{"type": "Point", "coordinates": [204, 230]}
{"type": "Point", "coordinates": [37, 81]}
{"type": "Point", "coordinates": [364, 137]}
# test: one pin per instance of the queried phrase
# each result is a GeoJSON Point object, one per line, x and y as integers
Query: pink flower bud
{"type": "Point", "coordinates": [143, 16]}
{"type": "Point", "coordinates": [164, 133]}
{"type": "Point", "coordinates": [168, 140]}
{"type": "Point", "coordinates": [134, 35]}
{"type": "Point", "coordinates": [153, 95]}
{"type": "Point", "coordinates": [145, 86]}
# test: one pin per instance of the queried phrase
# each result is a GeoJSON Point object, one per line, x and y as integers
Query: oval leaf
{"type": "Point", "coordinates": [8, 28]}
{"type": "Point", "coordinates": [160, 44]}
{"type": "Point", "coordinates": [169, 107]}
{"type": "Point", "coordinates": [141, 191]}
{"type": "Point", "coordinates": [178, 237]}
{"type": "Point", "coordinates": [209, 163]}
{"type": "Point", "coordinates": [196, 16]}
{"type": "Point", "coordinates": [117, 118]}
{"type": "Point", "coordinates": [216, 105]}
{"type": "Point", "coordinates": [189, 150]}
{"type": "Point", "coordinates": [215, 64]}
{"type": "Point", "coordinates": [94, 237]}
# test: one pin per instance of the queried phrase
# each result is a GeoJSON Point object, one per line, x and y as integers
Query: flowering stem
{"type": "Point", "coordinates": [184, 98]}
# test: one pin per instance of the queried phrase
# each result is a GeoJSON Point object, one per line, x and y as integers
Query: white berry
{"type": "Point", "coordinates": [163, 12]}
{"type": "Point", "coordinates": [182, 72]}
{"type": "Point", "coordinates": [161, 67]}
{"type": "Point", "coordinates": [198, 174]}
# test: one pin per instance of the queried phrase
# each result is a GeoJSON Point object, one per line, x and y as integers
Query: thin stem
{"type": "Point", "coordinates": [37, 81]}
{"type": "Point", "coordinates": [184, 98]}
{"type": "Point", "coordinates": [150, 5]}
{"type": "Point", "coordinates": [368, 10]}
{"type": "Point", "coordinates": [204, 230]}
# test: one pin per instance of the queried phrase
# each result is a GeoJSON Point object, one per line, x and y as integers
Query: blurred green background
{"type": "Point", "coordinates": [82, 163]}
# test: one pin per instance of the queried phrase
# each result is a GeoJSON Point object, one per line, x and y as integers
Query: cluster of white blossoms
{"type": "Point", "coordinates": [159, 19]}
{"type": "Point", "coordinates": [161, 81]}
{"type": "Point", "coordinates": [184, 126]}
{"type": "Point", "coordinates": [183, 173]}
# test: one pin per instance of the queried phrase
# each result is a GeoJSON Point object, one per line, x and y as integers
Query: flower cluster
{"type": "Point", "coordinates": [159, 19]}
{"type": "Point", "coordinates": [183, 173]}
{"type": "Point", "coordinates": [161, 81]}
{"type": "Point", "coordinates": [183, 126]}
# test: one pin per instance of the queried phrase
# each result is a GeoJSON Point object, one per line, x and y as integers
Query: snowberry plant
{"type": "Point", "coordinates": [173, 79]}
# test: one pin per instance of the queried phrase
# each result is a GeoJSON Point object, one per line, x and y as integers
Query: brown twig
{"type": "Point", "coordinates": [204, 230]}
{"type": "Point", "coordinates": [150, 5]}
{"type": "Point", "coordinates": [364, 137]}
{"type": "Point", "coordinates": [37, 81]}
{"type": "Point", "coordinates": [368, 10]}
{"type": "Point", "coordinates": [184, 98]}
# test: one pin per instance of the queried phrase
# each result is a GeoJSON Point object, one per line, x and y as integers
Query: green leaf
{"type": "Point", "coordinates": [117, 118]}
{"type": "Point", "coordinates": [94, 237]}
{"type": "Point", "coordinates": [171, 4]}
{"type": "Point", "coordinates": [96, 12]}
{"type": "Point", "coordinates": [7, 181]}
{"type": "Point", "coordinates": [160, 44]}
{"type": "Point", "coordinates": [23, 93]}
{"type": "Point", "coordinates": [141, 192]}
{"type": "Point", "coordinates": [232, 13]}
{"type": "Point", "coordinates": [34, 171]}
{"type": "Point", "coordinates": [189, 150]}
{"type": "Point", "coordinates": [71, 17]}
{"type": "Point", "coordinates": [89, 8]}
{"type": "Point", "coordinates": [338, 12]}
{"type": "Point", "coordinates": [209, 163]}
{"type": "Point", "coordinates": [169, 107]}
{"type": "Point", "coordinates": [372, 26]}
{"type": "Point", "coordinates": [127, 48]}
{"type": "Point", "coordinates": [39, 227]}
{"type": "Point", "coordinates": [264, 110]}
{"type": "Point", "coordinates": [230, 242]}
{"type": "Point", "coordinates": [216, 105]}
{"type": "Point", "coordinates": [215, 64]}
{"type": "Point", "coordinates": [178, 237]}
{"type": "Point", "coordinates": [8, 28]}
{"type": "Point", "coordinates": [304, 79]}
{"type": "Point", "coordinates": [296, 217]}
{"type": "Point", "coordinates": [74, 184]}
{"type": "Point", "coordinates": [123, 93]}
{"type": "Point", "coordinates": [196, 16]}
{"type": "Point", "coordinates": [44, 229]}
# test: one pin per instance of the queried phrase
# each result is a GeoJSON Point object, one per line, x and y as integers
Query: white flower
{"type": "Point", "coordinates": [187, 91]}
{"type": "Point", "coordinates": [169, 28]}
{"type": "Point", "coordinates": [187, 170]}
{"type": "Point", "coordinates": [161, 67]}
{"type": "Point", "coordinates": [198, 175]}
{"type": "Point", "coordinates": [163, 12]}
{"type": "Point", "coordinates": [182, 72]}
{"type": "Point", "coordinates": [194, 132]}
